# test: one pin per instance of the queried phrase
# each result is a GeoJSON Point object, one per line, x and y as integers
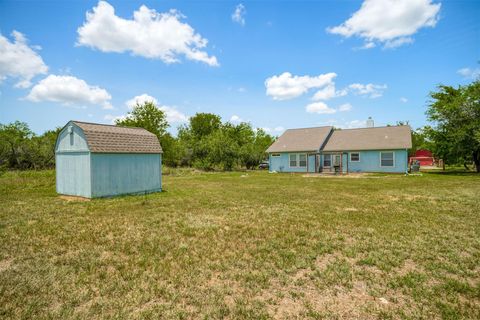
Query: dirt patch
{"type": "Point", "coordinates": [5, 264]}
{"type": "Point", "coordinates": [408, 266]}
{"type": "Point", "coordinates": [329, 175]}
{"type": "Point", "coordinates": [341, 302]}
{"type": "Point", "coordinates": [348, 209]}
{"type": "Point", "coordinates": [73, 198]}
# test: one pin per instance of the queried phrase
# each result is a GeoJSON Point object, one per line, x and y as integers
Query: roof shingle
{"type": "Point", "coordinates": [114, 139]}
{"type": "Point", "coordinates": [305, 139]}
{"type": "Point", "coordinates": [378, 138]}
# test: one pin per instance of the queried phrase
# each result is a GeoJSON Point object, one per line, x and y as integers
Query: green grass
{"type": "Point", "coordinates": [244, 246]}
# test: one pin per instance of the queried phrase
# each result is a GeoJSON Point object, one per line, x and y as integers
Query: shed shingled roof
{"type": "Point", "coordinates": [115, 139]}
{"type": "Point", "coordinates": [305, 139]}
{"type": "Point", "coordinates": [377, 138]}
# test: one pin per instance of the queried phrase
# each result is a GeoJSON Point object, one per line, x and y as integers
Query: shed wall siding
{"type": "Point", "coordinates": [71, 142]}
{"type": "Point", "coordinates": [115, 174]}
{"type": "Point", "coordinates": [73, 173]}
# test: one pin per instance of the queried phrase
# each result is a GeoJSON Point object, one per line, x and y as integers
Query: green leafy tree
{"type": "Point", "coordinates": [146, 116]}
{"type": "Point", "coordinates": [455, 114]}
{"type": "Point", "coordinates": [420, 141]}
{"type": "Point", "coordinates": [204, 124]}
{"type": "Point", "coordinates": [14, 145]}
{"type": "Point", "coordinates": [44, 149]}
{"type": "Point", "coordinates": [193, 139]}
{"type": "Point", "coordinates": [20, 148]}
{"type": "Point", "coordinates": [209, 144]}
{"type": "Point", "coordinates": [151, 118]}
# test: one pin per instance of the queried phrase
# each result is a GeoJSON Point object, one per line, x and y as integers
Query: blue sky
{"type": "Point", "coordinates": [275, 64]}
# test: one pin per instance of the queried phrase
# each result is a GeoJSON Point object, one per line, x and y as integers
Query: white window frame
{"type": "Point", "coordinates": [297, 160]}
{"type": "Point", "coordinates": [306, 160]}
{"type": "Point", "coordinates": [393, 155]}
{"type": "Point", "coordinates": [354, 160]}
{"type": "Point", "coordinates": [323, 162]}
{"type": "Point", "coordinates": [290, 161]}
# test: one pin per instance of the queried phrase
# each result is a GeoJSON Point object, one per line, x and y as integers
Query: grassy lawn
{"type": "Point", "coordinates": [244, 246]}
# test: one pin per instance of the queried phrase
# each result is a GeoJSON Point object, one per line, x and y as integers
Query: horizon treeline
{"type": "Point", "coordinates": [204, 142]}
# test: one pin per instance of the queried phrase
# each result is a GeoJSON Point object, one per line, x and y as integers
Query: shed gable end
{"type": "Point", "coordinates": [71, 139]}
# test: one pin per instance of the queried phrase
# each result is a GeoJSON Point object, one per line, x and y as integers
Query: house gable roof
{"type": "Point", "coordinates": [377, 138]}
{"type": "Point", "coordinates": [305, 139]}
{"type": "Point", "coordinates": [104, 138]}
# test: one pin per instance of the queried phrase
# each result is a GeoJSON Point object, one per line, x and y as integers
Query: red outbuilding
{"type": "Point", "coordinates": [425, 157]}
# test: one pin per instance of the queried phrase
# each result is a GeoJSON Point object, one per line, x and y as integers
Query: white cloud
{"type": "Point", "coordinates": [469, 73]}
{"type": "Point", "coordinates": [173, 115]}
{"type": "Point", "coordinates": [69, 90]}
{"type": "Point", "coordinates": [239, 14]}
{"type": "Point", "coordinates": [398, 42]}
{"type": "Point", "coordinates": [18, 60]}
{"type": "Point", "coordinates": [141, 99]}
{"type": "Point", "coordinates": [354, 124]}
{"type": "Point", "coordinates": [286, 86]}
{"type": "Point", "coordinates": [235, 119]}
{"type": "Point", "coordinates": [369, 45]}
{"type": "Point", "coordinates": [273, 130]}
{"type": "Point", "coordinates": [389, 22]}
{"type": "Point", "coordinates": [403, 100]}
{"type": "Point", "coordinates": [329, 92]}
{"type": "Point", "coordinates": [150, 34]}
{"type": "Point", "coordinates": [371, 90]}
{"type": "Point", "coordinates": [112, 118]}
{"type": "Point", "coordinates": [345, 107]}
{"type": "Point", "coordinates": [320, 108]}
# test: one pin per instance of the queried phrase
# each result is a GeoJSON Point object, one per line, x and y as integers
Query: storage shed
{"type": "Point", "coordinates": [96, 160]}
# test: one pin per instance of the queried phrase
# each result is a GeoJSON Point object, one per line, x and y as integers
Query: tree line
{"type": "Point", "coordinates": [21, 149]}
{"type": "Point", "coordinates": [207, 143]}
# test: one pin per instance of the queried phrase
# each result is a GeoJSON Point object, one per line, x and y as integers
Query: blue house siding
{"type": "Point", "coordinates": [115, 174]}
{"type": "Point", "coordinates": [73, 173]}
{"type": "Point", "coordinates": [282, 164]}
{"type": "Point", "coordinates": [370, 162]}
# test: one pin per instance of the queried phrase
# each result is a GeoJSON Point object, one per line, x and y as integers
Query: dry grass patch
{"type": "Point", "coordinates": [219, 246]}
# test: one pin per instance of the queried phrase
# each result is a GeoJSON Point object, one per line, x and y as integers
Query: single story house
{"type": "Point", "coordinates": [325, 149]}
{"type": "Point", "coordinates": [96, 160]}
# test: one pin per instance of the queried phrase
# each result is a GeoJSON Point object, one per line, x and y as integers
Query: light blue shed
{"type": "Point", "coordinates": [96, 160]}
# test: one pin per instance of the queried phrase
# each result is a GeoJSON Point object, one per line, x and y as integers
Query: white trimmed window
{"type": "Point", "coordinates": [387, 159]}
{"type": "Point", "coordinates": [293, 159]}
{"type": "Point", "coordinates": [302, 160]}
{"type": "Point", "coordinates": [354, 156]}
{"type": "Point", "coordinates": [327, 160]}
{"type": "Point", "coordinates": [297, 160]}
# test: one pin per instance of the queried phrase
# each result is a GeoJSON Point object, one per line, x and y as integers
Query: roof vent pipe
{"type": "Point", "coordinates": [370, 123]}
